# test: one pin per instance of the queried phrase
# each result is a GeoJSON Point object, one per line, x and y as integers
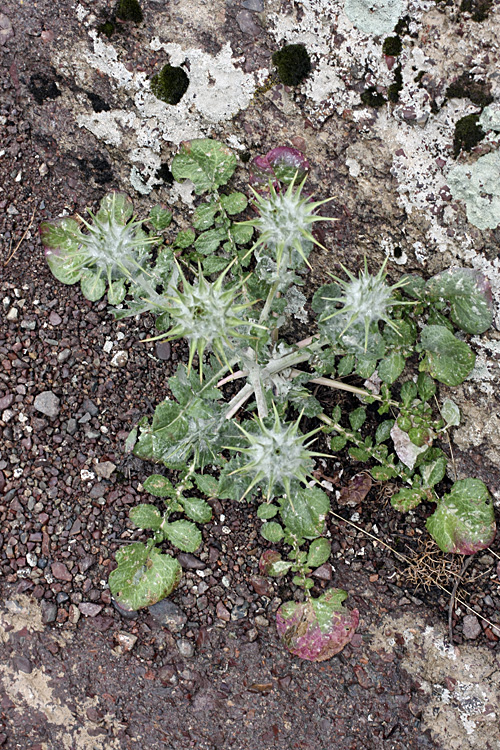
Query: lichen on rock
{"type": "Point", "coordinates": [478, 185]}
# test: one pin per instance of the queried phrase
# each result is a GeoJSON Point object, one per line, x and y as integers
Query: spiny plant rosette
{"type": "Point", "coordinates": [273, 456]}
{"type": "Point", "coordinates": [232, 432]}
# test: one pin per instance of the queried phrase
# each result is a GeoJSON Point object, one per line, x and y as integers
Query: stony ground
{"type": "Point", "coordinates": [205, 671]}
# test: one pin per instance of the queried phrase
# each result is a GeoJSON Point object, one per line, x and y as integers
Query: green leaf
{"type": "Point", "coordinates": [92, 285]}
{"type": "Point", "coordinates": [407, 499]}
{"type": "Point", "coordinates": [336, 414]}
{"type": "Point", "coordinates": [450, 413]}
{"type": "Point", "coordinates": [266, 511]}
{"type": "Point", "coordinates": [357, 418]}
{"type": "Point", "coordinates": [338, 443]}
{"type": "Point", "coordinates": [207, 163]}
{"type": "Point", "coordinates": [408, 392]}
{"type": "Point", "coordinates": [391, 367]}
{"type": "Point", "coordinates": [204, 216]}
{"type": "Point", "coordinates": [141, 578]}
{"type": "Point", "coordinates": [365, 366]}
{"type": "Point", "coordinates": [160, 217]}
{"type": "Point", "coordinates": [383, 431]}
{"type": "Point", "coordinates": [117, 291]}
{"type": "Point", "coordinates": [184, 535]}
{"type": "Point", "coordinates": [447, 359]}
{"type": "Point", "coordinates": [319, 552]}
{"type": "Point", "coordinates": [159, 486]}
{"type": "Point", "coordinates": [469, 294]}
{"type": "Point", "coordinates": [272, 531]}
{"type": "Point", "coordinates": [405, 335]}
{"type": "Point", "coordinates": [184, 239]}
{"type": "Point", "coordinates": [433, 472]}
{"type": "Point", "coordinates": [213, 264]}
{"type": "Point", "coordinates": [234, 203]}
{"type": "Point", "coordinates": [383, 473]}
{"type": "Point", "coordinates": [197, 509]}
{"type": "Point", "coordinates": [146, 517]}
{"type": "Point", "coordinates": [241, 233]}
{"type": "Point", "coordinates": [116, 207]}
{"type": "Point", "coordinates": [426, 387]}
{"type": "Point", "coordinates": [207, 484]}
{"type": "Point", "coordinates": [346, 365]}
{"type": "Point", "coordinates": [304, 513]}
{"type": "Point", "coordinates": [414, 286]}
{"type": "Point", "coordinates": [359, 454]}
{"type": "Point", "coordinates": [209, 241]}
{"type": "Point", "coordinates": [464, 521]}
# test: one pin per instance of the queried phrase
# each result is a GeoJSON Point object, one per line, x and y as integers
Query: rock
{"type": "Point", "coordinates": [239, 611]}
{"type": "Point", "coordinates": [6, 30]}
{"type": "Point", "coordinates": [22, 664]}
{"type": "Point", "coordinates": [54, 318]}
{"type": "Point", "coordinates": [49, 611]}
{"type": "Point", "coordinates": [186, 648]}
{"type": "Point", "coordinates": [168, 614]}
{"type": "Point", "coordinates": [190, 562]}
{"type": "Point", "coordinates": [247, 25]}
{"type": "Point", "coordinates": [252, 634]}
{"type": "Point", "coordinates": [47, 403]}
{"type": "Point", "coordinates": [6, 401]}
{"type": "Point", "coordinates": [71, 426]}
{"type": "Point", "coordinates": [222, 612]}
{"type": "Point", "coordinates": [120, 359]}
{"type": "Point", "coordinates": [60, 571]}
{"type": "Point", "coordinates": [256, 5]}
{"type": "Point", "coordinates": [262, 586]}
{"type": "Point", "coordinates": [128, 614]}
{"type": "Point", "coordinates": [324, 572]}
{"type": "Point", "coordinates": [89, 610]}
{"type": "Point", "coordinates": [163, 350]}
{"type": "Point", "coordinates": [470, 627]}
{"type": "Point", "coordinates": [90, 407]}
{"type": "Point", "coordinates": [125, 642]}
{"type": "Point", "coordinates": [104, 469]}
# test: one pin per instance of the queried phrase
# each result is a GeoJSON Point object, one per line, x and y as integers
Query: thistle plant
{"type": "Point", "coordinates": [224, 291]}
{"type": "Point", "coordinates": [275, 455]}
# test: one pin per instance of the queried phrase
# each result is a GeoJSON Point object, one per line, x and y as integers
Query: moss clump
{"type": "Point", "coordinates": [468, 133]}
{"type": "Point", "coordinates": [293, 64]}
{"type": "Point", "coordinates": [372, 98]}
{"type": "Point", "coordinates": [107, 28]}
{"type": "Point", "coordinates": [465, 87]}
{"type": "Point", "coordinates": [170, 84]}
{"type": "Point", "coordinates": [395, 88]}
{"type": "Point", "coordinates": [392, 46]}
{"type": "Point", "coordinates": [129, 10]}
{"type": "Point", "coordinates": [479, 9]}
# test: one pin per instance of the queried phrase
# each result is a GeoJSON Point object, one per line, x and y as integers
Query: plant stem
{"type": "Point", "coordinates": [269, 301]}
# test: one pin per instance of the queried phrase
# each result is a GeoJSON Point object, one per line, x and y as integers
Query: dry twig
{"type": "Point", "coordinates": [22, 238]}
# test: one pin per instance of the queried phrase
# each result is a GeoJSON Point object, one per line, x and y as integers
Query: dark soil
{"type": "Point", "coordinates": [222, 680]}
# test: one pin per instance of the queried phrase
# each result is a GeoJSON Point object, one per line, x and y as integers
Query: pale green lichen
{"type": "Point", "coordinates": [490, 117]}
{"type": "Point", "coordinates": [478, 185]}
{"type": "Point", "coordinates": [377, 17]}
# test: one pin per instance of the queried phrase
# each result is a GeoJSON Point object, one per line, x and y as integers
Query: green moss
{"type": "Point", "coordinates": [468, 133]}
{"type": "Point", "coordinates": [170, 84]}
{"type": "Point", "coordinates": [372, 98]}
{"type": "Point", "coordinates": [465, 87]}
{"type": "Point", "coordinates": [392, 46]}
{"type": "Point", "coordinates": [479, 9]}
{"type": "Point", "coordinates": [395, 88]}
{"type": "Point", "coordinates": [293, 64]}
{"type": "Point", "coordinates": [129, 10]}
{"type": "Point", "coordinates": [107, 28]}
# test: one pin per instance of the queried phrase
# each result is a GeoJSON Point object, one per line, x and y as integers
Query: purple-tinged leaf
{"type": "Point", "coordinates": [464, 520]}
{"type": "Point", "coordinates": [280, 165]}
{"type": "Point", "coordinates": [319, 628]}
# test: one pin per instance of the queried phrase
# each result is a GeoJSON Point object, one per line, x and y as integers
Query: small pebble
{"type": "Point", "coordinates": [470, 627]}
{"type": "Point", "coordinates": [168, 614]}
{"type": "Point", "coordinates": [185, 647]}
{"type": "Point", "coordinates": [47, 403]}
